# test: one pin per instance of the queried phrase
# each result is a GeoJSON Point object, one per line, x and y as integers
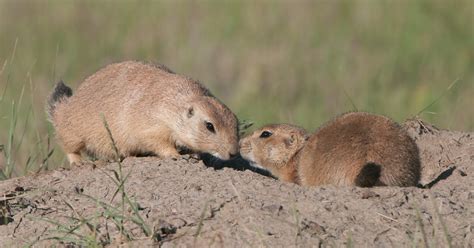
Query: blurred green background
{"type": "Point", "coordinates": [270, 61]}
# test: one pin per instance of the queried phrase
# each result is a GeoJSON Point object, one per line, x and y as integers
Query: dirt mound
{"type": "Point", "coordinates": [185, 203]}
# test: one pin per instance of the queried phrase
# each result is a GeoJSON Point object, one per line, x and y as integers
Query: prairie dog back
{"type": "Point", "coordinates": [149, 109]}
{"type": "Point", "coordinates": [356, 149]}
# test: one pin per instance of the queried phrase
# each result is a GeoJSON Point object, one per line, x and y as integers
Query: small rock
{"type": "Point", "coordinates": [99, 163]}
{"type": "Point", "coordinates": [366, 194]}
{"type": "Point", "coordinates": [274, 208]}
{"type": "Point", "coordinates": [467, 195]}
{"type": "Point", "coordinates": [19, 189]}
{"type": "Point", "coordinates": [58, 175]}
{"type": "Point", "coordinates": [178, 223]}
{"type": "Point", "coordinates": [462, 173]}
{"type": "Point", "coordinates": [312, 227]}
{"type": "Point", "coordinates": [166, 228]}
{"type": "Point", "coordinates": [163, 231]}
{"type": "Point", "coordinates": [78, 189]}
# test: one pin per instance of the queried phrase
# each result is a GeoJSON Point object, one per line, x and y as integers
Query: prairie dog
{"type": "Point", "coordinates": [149, 109]}
{"type": "Point", "coordinates": [355, 148]}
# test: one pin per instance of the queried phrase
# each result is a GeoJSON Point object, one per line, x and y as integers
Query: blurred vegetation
{"type": "Point", "coordinates": [270, 61]}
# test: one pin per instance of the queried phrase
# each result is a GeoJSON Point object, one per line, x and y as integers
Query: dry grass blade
{"type": "Point", "coordinates": [386, 217]}
{"type": "Point", "coordinates": [111, 137]}
{"type": "Point", "coordinates": [441, 221]}
{"type": "Point", "coordinates": [64, 233]}
{"type": "Point", "coordinates": [118, 175]}
{"type": "Point", "coordinates": [14, 51]}
{"type": "Point", "coordinates": [296, 217]}
{"type": "Point", "coordinates": [201, 220]}
{"type": "Point", "coordinates": [120, 184]}
{"type": "Point", "coordinates": [244, 125]}
{"type": "Point", "coordinates": [419, 220]}
{"type": "Point", "coordinates": [3, 67]}
{"type": "Point", "coordinates": [440, 96]}
{"type": "Point", "coordinates": [349, 243]}
{"type": "Point", "coordinates": [81, 219]}
{"type": "Point", "coordinates": [11, 137]}
{"type": "Point", "coordinates": [6, 84]}
{"type": "Point", "coordinates": [354, 107]}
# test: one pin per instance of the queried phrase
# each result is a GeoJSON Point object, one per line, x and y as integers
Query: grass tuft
{"type": "Point", "coordinates": [120, 181]}
{"type": "Point", "coordinates": [83, 231]}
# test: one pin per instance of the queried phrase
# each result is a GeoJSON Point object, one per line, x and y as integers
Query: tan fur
{"type": "Point", "coordinates": [275, 152]}
{"type": "Point", "coordinates": [353, 149]}
{"type": "Point", "coordinates": [149, 110]}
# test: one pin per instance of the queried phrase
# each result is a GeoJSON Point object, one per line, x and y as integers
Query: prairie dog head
{"type": "Point", "coordinates": [210, 127]}
{"type": "Point", "coordinates": [271, 147]}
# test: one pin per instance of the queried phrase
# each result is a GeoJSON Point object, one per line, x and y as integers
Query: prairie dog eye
{"type": "Point", "coordinates": [210, 127]}
{"type": "Point", "coordinates": [265, 134]}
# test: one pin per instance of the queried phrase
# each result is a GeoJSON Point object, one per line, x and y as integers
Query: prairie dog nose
{"type": "Point", "coordinates": [233, 155]}
{"type": "Point", "coordinates": [241, 143]}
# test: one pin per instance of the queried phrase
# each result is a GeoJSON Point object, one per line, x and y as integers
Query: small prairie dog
{"type": "Point", "coordinates": [149, 109]}
{"type": "Point", "coordinates": [355, 148]}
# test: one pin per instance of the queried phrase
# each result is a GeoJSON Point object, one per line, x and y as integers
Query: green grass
{"type": "Point", "coordinates": [269, 61]}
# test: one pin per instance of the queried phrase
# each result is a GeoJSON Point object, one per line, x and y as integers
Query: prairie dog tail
{"type": "Point", "coordinates": [60, 94]}
{"type": "Point", "coordinates": [369, 175]}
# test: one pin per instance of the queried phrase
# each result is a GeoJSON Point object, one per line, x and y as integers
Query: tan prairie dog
{"type": "Point", "coordinates": [355, 148]}
{"type": "Point", "coordinates": [148, 108]}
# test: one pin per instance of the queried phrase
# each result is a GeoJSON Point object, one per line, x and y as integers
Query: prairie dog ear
{"type": "Point", "coordinates": [290, 141]}
{"type": "Point", "coordinates": [295, 140]}
{"type": "Point", "coordinates": [190, 112]}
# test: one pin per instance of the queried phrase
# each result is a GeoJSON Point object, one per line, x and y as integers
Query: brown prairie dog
{"type": "Point", "coordinates": [149, 109]}
{"type": "Point", "coordinates": [356, 148]}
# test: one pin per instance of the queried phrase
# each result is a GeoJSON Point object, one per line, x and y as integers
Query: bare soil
{"type": "Point", "coordinates": [186, 203]}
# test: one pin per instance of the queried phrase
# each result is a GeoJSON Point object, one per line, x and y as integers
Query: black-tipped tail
{"type": "Point", "coordinates": [369, 175]}
{"type": "Point", "coordinates": [60, 93]}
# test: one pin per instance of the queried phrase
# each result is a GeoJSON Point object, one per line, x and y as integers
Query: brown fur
{"type": "Point", "coordinates": [353, 149]}
{"type": "Point", "coordinates": [149, 109]}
